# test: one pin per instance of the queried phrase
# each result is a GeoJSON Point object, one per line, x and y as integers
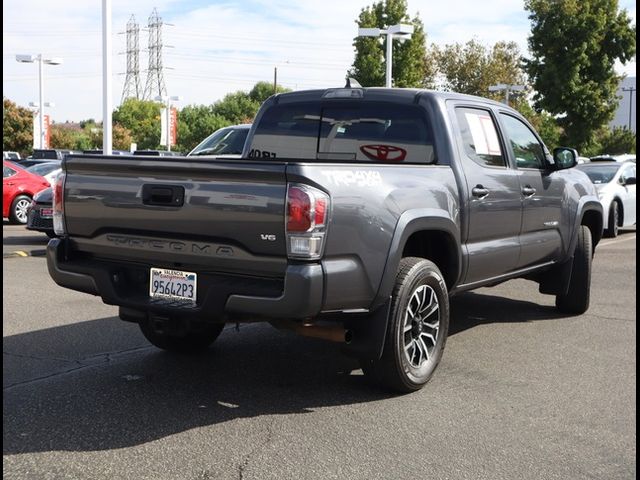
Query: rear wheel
{"type": "Point", "coordinates": [417, 328]}
{"type": "Point", "coordinates": [614, 218]}
{"type": "Point", "coordinates": [576, 300]}
{"type": "Point", "coordinates": [19, 209]}
{"type": "Point", "coordinates": [187, 342]}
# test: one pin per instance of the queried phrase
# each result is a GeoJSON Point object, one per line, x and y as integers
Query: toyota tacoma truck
{"type": "Point", "coordinates": [353, 215]}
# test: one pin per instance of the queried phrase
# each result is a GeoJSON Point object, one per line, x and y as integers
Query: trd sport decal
{"type": "Point", "coordinates": [384, 153]}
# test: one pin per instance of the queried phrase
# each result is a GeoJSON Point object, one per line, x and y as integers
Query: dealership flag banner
{"type": "Point", "coordinates": [36, 131]}
{"type": "Point", "coordinates": [173, 126]}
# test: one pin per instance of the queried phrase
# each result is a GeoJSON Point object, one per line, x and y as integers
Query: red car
{"type": "Point", "coordinates": [18, 188]}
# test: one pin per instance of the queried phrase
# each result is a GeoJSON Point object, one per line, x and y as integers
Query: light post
{"type": "Point", "coordinates": [630, 90]}
{"type": "Point", "coordinates": [507, 90]}
{"type": "Point", "coordinates": [167, 106]}
{"type": "Point", "coordinates": [41, 60]}
{"type": "Point", "coordinates": [401, 30]}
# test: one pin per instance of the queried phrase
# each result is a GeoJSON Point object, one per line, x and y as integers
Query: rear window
{"type": "Point", "coordinates": [349, 132]}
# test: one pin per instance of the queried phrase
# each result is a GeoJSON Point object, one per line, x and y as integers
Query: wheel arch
{"type": "Point", "coordinates": [425, 233]}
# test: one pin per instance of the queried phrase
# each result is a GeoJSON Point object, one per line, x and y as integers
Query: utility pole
{"type": "Point", "coordinates": [275, 80]}
{"type": "Point", "coordinates": [132, 88]}
{"type": "Point", "coordinates": [630, 90]}
{"type": "Point", "coordinates": [507, 90]}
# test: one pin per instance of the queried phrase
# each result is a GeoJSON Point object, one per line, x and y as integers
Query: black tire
{"type": "Point", "coordinates": [189, 342]}
{"type": "Point", "coordinates": [396, 370]}
{"type": "Point", "coordinates": [576, 301]}
{"type": "Point", "coordinates": [18, 213]}
{"type": "Point", "coordinates": [613, 223]}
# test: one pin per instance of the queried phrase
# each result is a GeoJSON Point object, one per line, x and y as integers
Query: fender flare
{"type": "Point", "coordinates": [586, 204]}
{"type": "Point", "coordinates": [410, 222]}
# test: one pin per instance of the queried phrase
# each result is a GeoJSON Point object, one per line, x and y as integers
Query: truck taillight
{"type": "Point", "coordinates": [58, 205]}
{"type": "Point", "coordinates": [307, 215]}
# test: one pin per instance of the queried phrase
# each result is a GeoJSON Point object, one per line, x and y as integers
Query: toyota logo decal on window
{"type": "Point", "coordinates": [384, 153]}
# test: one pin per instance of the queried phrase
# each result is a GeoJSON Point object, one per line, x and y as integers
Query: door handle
{"type": "Point", "coordinates": [479, 191]}
{"type": "Point", "coordinates": [528, 191]}
{"type": "Point", "coordinates": [166, 195]}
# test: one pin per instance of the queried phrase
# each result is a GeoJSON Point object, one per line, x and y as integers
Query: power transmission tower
{"type": "Point", "coordinates": [132, 87]}
{"type": "Point", "coordinates": [155, 78]}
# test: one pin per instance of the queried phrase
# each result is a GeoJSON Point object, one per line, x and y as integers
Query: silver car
{"type": "Point", "coordinates": [616, 186]}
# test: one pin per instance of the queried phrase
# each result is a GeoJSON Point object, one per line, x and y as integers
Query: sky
{"type": "Point", "coordinates": [217, 47]}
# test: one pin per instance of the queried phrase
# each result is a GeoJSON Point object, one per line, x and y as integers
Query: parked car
{"type": "Point", "coordinates": [30, 162]}
{"type": "Point", "coordinates": [18, 188]}
{"type": "Point", "coordinates": [48, 170]}
{"type": "Point", "coordinates": [614, 158]}
{"type": "Point", "coordinates": [40, 213]}
{"type": "Point", "coordinates": [15, 156]}
{"type": "Point", "coordinates": [226, 142]}
{"type": "Point", "coordinates": [616, 186]}
{"type": "Point", "coordinates": [352, 216]}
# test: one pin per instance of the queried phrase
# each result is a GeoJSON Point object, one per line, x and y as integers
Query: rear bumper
{"type": "Point", "coordinates": [299, 295]}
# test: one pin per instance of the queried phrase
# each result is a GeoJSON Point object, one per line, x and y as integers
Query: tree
{"type": "Point", "coordinates": [195, 123]}
{"type": "Point", "coordinates": [409, 65]}
{"type": "Point", "coordinates": [142, 119]}
{"type": "Point", "coordinates": [17, 128]}
{"type": "Point", "coordinates": [237, 107]}
{"type": "Point", "coordinates": [263, 90]}
{"type": "Point", "coordinates": [617, 141]}
{"type": "Point", "coordinates": [63, 137]}
{"type": "Point", "coordinates": [472, 68]}
{"type": "Point", "coordinates": [574, 46]}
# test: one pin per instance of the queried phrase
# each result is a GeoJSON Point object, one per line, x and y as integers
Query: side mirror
{"type": "Point", "coordinates": [630, 181]}
{"type": "Point", "coordinates": [565, 157]}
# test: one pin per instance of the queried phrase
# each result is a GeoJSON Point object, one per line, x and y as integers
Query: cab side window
{"type": "Point", "coordinates": [527, 149]}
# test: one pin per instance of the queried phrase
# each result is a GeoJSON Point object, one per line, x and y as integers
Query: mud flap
{"type": "Point", "coordinates": [368, 333]}
{"type": "Point", "coordinates": [556, 281]}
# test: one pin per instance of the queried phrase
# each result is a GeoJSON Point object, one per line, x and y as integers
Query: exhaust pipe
{"type": "Point", "coordinates": [332, 333]}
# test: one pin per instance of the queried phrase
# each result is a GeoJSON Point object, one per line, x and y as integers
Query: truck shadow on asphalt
{"type": "Point", "coordinates": [60, 394]}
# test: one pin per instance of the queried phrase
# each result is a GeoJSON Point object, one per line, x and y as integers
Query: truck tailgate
{"type": "Point", "coordinates": [227, 215]}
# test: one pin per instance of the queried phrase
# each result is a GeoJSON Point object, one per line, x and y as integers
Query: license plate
{"type": "Point", "coordinates": [46, 212]}
{"type": "Point", "coordinates": [173, 284]}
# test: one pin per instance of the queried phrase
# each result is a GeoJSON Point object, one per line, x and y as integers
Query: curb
{"type": "Point", "coordinates": [22, 253]}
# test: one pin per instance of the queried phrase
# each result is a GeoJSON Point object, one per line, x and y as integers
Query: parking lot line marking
{"type": "Point", "coordinates": [617, 241]}
{"type": "Point", "coordinates": [21, 253]}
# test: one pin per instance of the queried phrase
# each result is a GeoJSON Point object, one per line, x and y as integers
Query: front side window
{"type": "Point", "coordinates": [527, 149]}
{"type": "Point", "coordinates": [480, 137]}
{"type": "Point", "coordinates": [385, 133]}
{"type": "Point", "coordinates": [629, 172]}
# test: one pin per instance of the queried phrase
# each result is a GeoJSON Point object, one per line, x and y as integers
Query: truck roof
{"type": "Point", "coordinates": [401, 95]}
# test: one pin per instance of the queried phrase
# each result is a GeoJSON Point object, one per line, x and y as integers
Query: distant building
{"type": "Point", "coordinates": [626, 112]}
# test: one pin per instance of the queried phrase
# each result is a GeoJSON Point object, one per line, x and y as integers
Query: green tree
{"type": "Point", "coordinates": [237, 107]}
{"type": "Point", "coordinates": [263, 90]}
{"type": "Point", "coordinates": [472, 68]}
{"type": "Point", "coordinates": [574, 46]}
{"type": "Point", "coordinates": [63, 137]}
{"type": "Point", "coordinates": [195, 123]}
{"type": "Point", "coordinates": [617, 141]}
{"type": "Point", "coordinates": [17, 128]}
{"type": "Point", "coordinates": [142, 119]}
{"type": "Point", "coordinates": [409, 65]}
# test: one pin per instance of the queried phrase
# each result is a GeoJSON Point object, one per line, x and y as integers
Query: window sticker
{"type": "Point", "coordinates": [484, 134]}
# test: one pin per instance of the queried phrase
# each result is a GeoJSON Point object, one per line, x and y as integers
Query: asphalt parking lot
{"type": "Point", "coordinates": [522, 392]}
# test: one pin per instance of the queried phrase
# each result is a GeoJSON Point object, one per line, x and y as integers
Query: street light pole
{"type": "Point", "coordinates": [41, 60]}
{"type": "Point", "coordinates": [630, 90]}
{"type": "Point", "coordinates": [107, 140]}
{"type": "Point", "coordinates": [507, 90]}
{"type": "Point", "coordinates": [41, 101]}
{"type": "Point", "coordinates": [400, 30]}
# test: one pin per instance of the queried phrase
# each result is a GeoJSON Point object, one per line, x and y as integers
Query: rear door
{"type": "Point", "coordinates": [629, 194]}
{"type": "Point", "coordinates": [492, 196]}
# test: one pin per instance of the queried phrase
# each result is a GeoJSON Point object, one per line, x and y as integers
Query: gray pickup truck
{"type": "Point", "coordinates": [353, 215]}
